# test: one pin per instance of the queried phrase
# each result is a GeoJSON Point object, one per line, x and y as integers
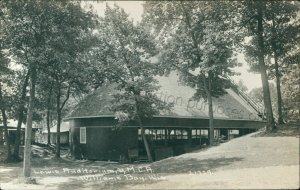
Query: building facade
{"type": "Point", "coordinates": [94, 133]}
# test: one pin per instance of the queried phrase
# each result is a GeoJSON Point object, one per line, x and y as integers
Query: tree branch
{"type": "Point", "coordinates": [67, 97]}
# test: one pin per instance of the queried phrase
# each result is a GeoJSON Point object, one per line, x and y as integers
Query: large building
{"type": "Point", "coordinates": [94, 135]}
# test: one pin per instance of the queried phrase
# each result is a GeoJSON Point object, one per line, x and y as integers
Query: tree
{"type": "Point", "coordinates": [21, 81]}
{"type": "Point", "coordinates": [11, 84]}
{"type": "Point", "coordinates": [45, 86]}
{"type": "Point", "coordinates": [4, 116]}
{"type": "Point", "coordinates": [4, 72]}
{"type": "Point", "coordinates": [65, 69]}
{"type": "Point", "coordinates": [19, 78]}
{"type": "Point", "coordinates": [125, 54]}
{"type": "Point", "coordinates": [196, 39]}
{"type": "Point", "coordinates": [252, 17]}
{"type": "Point", "coordinates": [4, 98]}
{"type": "Point", "coordinates": [27, 39]}
{"type": "Point", "coordinates": [274, 32]}
{"type": "Point", "coordinates": [35, 29]}
{"type": "Point", "coordinates": [291, 91]}
{"type": "Point", "coordinates": [283, 34]}
{"type": "Point", "coordinates": [257, 95]}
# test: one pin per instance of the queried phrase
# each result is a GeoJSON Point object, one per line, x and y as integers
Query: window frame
{"type": "Point", "coordinates": [81, 133]}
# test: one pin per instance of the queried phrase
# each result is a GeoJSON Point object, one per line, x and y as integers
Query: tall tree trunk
{"type": "Point", "coordinates": [139, 120]}
{"type": "Point", "coordinates": [48, 127]}
{"type": "Point", "coordinates": [57, 153]}
{"type": "Point", "coordinates": [278, 88]}
{"type": "Point", "coordinates": [145, 140]}
{"type": "Point", "coordinates": [21, 110]}
{"type": "Point", "coordinates": [211, 114]}
{"type": "Point", "coordinates": [1, 136]}
{"type": "Point", "coordinates": [264, 77]}
{"type": "Point", "coordinates": [58, 110]}
{"type": "Point", "coordinates": [207, 88]}
{"type": "Point", "coordinates": [3, 112]}
{"type": "Point", "coordinates": [277, 75]}
{"type": "Point", "coordinates": [48, 115]}
{"type": "Point", "coordinates": [298, 99]}
{"type": "Point", "coordinates": [9, 155]}
{"type": "Point", "coordinates": [27, 151]}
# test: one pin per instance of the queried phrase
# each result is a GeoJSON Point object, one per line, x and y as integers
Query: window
{"type": "Point", "coordinates": [204, 132]}
{"type": "Point", "coordinates": [195, 133]}
{"type": "Point", "coordinates": [178, 134]}
{"type": "Point", "coordinates": [82, 135]}
{"type": "Point", "coordinates": [184, 134]}
{"type": "Point", "coordinates": [160, 134]}
{"type": "Point", "coordinates": [140, 134]}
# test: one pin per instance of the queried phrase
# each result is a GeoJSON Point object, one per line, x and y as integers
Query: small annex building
{"type": "Point", "coordinates": [94, 135]}
{"type": "Point", "coordinates": [42, 137]}
{"type": "Point", "coordinates": [12, 132]}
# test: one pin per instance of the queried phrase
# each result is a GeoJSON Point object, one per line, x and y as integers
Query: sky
{"type": "Point", "coordinates": [135, 11]}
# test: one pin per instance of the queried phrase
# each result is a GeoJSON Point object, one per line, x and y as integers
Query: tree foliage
{"type": "Point", "coordinates": [127, 60]}
{"type": "Point", "coordinates": [252, 18]}
{"type": "Point", "coordinates": [48, 37]}
{"type": "Point", "coordinates": [125, 56]}
{"type": "Point", "coordinates": [5, 98]}
{"type": "Point", "coordinates": [291, 92]}
{"type": "Point", "coordinates": [257, 95]}
{"type": "Point", "coordinates": [280, 33]}
{"type": "Point", "coordinates": [195, 38]}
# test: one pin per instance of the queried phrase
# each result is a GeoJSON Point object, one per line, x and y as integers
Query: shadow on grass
{"type": "Point", "coordinates": [72, 185]}
{"type": "Point", "coordinates": [283, 130]}
{"type": "Point", "coordinates": [186, 165]}
{"type": "Point", "coordinates": [162, 168]}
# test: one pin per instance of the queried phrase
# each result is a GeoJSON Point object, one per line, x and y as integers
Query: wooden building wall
{"type": "Point", "coordinates": [103, 141]}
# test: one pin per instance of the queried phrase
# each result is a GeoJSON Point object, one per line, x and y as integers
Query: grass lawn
{"type": "Point", "coordinates": [258, 160]}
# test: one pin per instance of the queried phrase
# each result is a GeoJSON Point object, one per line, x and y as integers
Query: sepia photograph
{"type": "Point", "coordinates": [149, 94]}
